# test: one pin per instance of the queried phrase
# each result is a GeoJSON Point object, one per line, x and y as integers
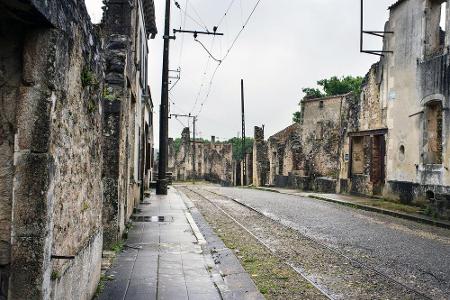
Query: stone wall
{"type": "Point", "coordinates": [55, 111]}
{"type": "Point", "coordinates": [10, 82]}
{"type": "Point", "coordinates": [52, 97]}
{"type": "Point", "coordinates": [310, 155]}
{"type": "Point", "coordinates": [322, 135]}
{"type": "Point", "coordinates": [128, 112]}
{"type": "Point", "coordinates": [213, 161]}
{"type": "Point", "coordinates": [116, 121]}
{"type": "Point", "coordinates": [260, 162]}
{"type": "Point", "coordinates": [418, 79]}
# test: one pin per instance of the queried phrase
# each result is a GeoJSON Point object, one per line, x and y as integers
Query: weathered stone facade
{"type": "Point", "coordinates": [415, 90]}
{"type": "Point", "coordinates": [54, 106]}
{"type": "Point", "coordinates": [51, 86]}
{"type": "Point", "coordinates": [308, 155]}
{"type": "Point", "coordinates": [213, 161]}
{"type": "Point", "coordinates": [128, 117]}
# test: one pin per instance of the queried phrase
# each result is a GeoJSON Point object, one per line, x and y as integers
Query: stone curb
{"type": "Point", "coordinates": [222, 261]}
{"type": "Point", "coordinates": [369, 208]}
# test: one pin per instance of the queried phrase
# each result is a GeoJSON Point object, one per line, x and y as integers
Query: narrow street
{"type": "Point", "coordinates": [346, 253]}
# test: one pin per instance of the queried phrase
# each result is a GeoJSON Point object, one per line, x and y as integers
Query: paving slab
{"type": "Point", "coordinates": [169, 258]}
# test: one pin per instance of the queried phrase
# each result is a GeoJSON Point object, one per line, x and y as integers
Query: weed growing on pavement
{"type": "Point", "coordinates": [117, 247]}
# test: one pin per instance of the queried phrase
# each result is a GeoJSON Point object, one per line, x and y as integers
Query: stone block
{"type": "Point", "coordinates": [31, 198]}
{"type": "Point", "coordinates": [28, 260]}
{"type": "Point", "coordinates": [33, 119]}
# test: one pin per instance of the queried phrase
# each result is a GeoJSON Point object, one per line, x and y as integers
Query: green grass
{"type": "Point", "coordinates": [118, 247]}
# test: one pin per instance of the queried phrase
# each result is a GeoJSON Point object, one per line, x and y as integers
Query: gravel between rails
{"type": "Point", "coordinates": [274, 278]}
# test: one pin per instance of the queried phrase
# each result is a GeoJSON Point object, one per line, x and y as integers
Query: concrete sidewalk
{"type": "Point", "coordinates": [365, 203]}
{"type": "Point", "coordinates": [164, 257]}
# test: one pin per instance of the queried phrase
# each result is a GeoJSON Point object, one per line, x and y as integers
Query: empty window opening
{"type": "Point", "coordinates": [436, 19]}
{"type": "Point", "coordinates": [433, 133]}
{"type": "Point", "coordinates": [401, 153]}
{"type": "Point", "coordinates": [321, 104]}
{"type": "Point", "coordinates": [443, 17]}
{"type": "Point", "coordinates": [430, 195]}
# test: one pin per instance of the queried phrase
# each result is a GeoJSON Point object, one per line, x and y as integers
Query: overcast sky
{"type": "Point", "coordinates": [287, 45]}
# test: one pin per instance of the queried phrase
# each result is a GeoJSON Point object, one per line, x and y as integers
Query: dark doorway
{"type": "Point", "coordinates": [377, 168]}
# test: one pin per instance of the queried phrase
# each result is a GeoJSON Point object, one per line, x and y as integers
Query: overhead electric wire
{"type": "Point", "coordinates": [182, 23]}
{"type": "Point", "coordinates": [200, 18]}
{"type": "Point", "coordinates": [206, 49]}
{"type": "Point", "coordinates": [228, 52]}
{"type": "Point", "coordinates": [209, 90]}
{"type": "Point", "coordinates": [203, 78]}
{"type": "Point", "coordinates": [201, 24]}
{"type": "Point", "coordinates": [226, 12]}
{"type": "Point", "coordinates": [242, 29]}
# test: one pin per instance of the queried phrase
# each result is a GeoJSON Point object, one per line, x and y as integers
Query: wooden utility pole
{"type": "Point", "coordinates": [244, 156]}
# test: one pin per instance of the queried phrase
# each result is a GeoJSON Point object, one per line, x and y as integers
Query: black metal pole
{"type": "Point", "coordinates": [362, 27]}
{"type": "Point", "coordinates": [244, 158]}
{"type": "Point", "coordinates": [194, 154]}
{"type": "Point", "coordinates": [161, 188]}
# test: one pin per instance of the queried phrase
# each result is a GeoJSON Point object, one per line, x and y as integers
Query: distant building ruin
{"type": "Point", "coordinates": [213, 160]}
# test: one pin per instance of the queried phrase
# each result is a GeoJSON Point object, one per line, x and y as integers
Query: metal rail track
{"type": "Point", "coordinates": [319, 288]}
{"type": "Point", "coordinates": [339, 253]}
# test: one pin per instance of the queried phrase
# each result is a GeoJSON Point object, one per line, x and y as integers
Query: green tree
{"type": "Point", "coordinates": [338, 86]}
{"type": "Point", "coordinates": [311, 93]}
{"type": "Point", "coordinates": [297, 117]}
{"type": "Point", "coordinates": [237, 147]}
{"type": "Point", "coordinates": [177, 144]}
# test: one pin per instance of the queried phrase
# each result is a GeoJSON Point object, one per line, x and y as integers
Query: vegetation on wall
{"type": "Point", "coordinates": [332, 86]}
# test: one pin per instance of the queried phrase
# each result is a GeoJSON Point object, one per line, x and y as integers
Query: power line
{"type": "Point", "coordinates": [209, 89]}
{"type": "Point", "coordinates": [182, 23]}
{"type": "Point", "coordinates": [226, 12]}
{"type": "Point", "coordinates": [195, 11]}
{"type": "Point", "coordinates": [189, 16]}
{"type": "Point", "coordinates": [242, 29]}
{"type": "Point", "coordinates": [228, 52]}
{"type": "Point", "coordinates": [209, 52]}
{"type": "Point", "coordinates": [203, 78]}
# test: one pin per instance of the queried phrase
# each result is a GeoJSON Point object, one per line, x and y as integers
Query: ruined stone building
{"type": "Point", "coordinates": [307, 155]}
{"type": "Point", "coordinates": [57, 122]}
{"type": "Point", "coordinates": [213, 161]}
{"type": "Point", "coordinates": [415, 91]}
{"type": "Point", "coordinates": [392, 140]}
{"type": "Point", "coordinates": [128, 112]}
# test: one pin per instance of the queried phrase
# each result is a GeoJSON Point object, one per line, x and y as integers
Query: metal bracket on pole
{"type": "Point", "coordinates": [196, 32]}
{"type": "Point", "coordinates": [363, 32]}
